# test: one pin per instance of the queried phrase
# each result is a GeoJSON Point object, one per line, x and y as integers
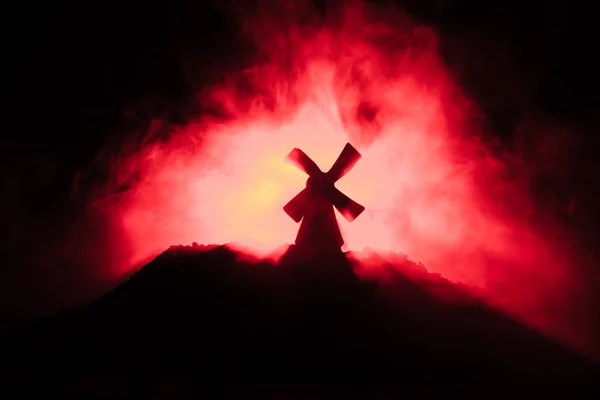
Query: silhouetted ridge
{"type": "Point", "coordinates": [206, 309]}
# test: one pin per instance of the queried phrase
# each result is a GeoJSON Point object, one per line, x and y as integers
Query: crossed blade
{"type": "Point", "coordinates": [350, 209]}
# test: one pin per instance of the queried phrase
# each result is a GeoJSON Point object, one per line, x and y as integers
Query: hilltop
{"type": "Point", "coordinates": [212, 310]}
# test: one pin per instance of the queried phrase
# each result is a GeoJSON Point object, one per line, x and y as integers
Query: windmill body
{"type": "Point", "coordinates": [319, 229]}
{"type": "Point", "coordinates": [314, 205]}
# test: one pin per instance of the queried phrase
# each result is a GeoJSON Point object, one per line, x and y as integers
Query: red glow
{"type": "Point", "coordinates": [430, 188]}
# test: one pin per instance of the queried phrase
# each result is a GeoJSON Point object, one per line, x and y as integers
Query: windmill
{"type": "Point", "coordinates": [314, 205]}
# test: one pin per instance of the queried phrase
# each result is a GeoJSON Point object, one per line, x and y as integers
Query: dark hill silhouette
{"type": "Point", "coordinates": [205, 310]}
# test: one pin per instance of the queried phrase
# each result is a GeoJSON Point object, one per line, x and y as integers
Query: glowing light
{"type": "Point", "coordinates": [374, 78]}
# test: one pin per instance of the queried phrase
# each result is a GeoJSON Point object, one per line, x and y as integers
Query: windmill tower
{"type": "Point", "coordinates": [319, 231]}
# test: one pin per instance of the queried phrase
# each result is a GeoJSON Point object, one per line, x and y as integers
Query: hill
{"type": "Point", "coordinates": [213, 312]}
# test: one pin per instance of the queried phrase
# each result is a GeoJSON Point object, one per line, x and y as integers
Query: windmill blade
{"type": "Point", "coordinates": [344, 204]}
{"type": "Point", "coordinates": [298, 158]}
{"type": "Point", "coordinates": [344, 163]}
{"type": "Point", "coordinates": [295, 207]}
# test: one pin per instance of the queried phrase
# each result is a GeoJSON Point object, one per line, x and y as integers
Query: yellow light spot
{"type": "Point", "coordinates": [265, 194]}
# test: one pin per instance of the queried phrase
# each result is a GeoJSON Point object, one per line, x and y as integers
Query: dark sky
{"type": "Point", "coordinates": [71, 69]}
{"type": "Point", "coordinates": [79, 65]}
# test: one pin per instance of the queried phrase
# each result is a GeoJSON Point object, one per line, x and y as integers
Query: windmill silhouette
{"type": "Point", "coordinates": [314, 205]}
